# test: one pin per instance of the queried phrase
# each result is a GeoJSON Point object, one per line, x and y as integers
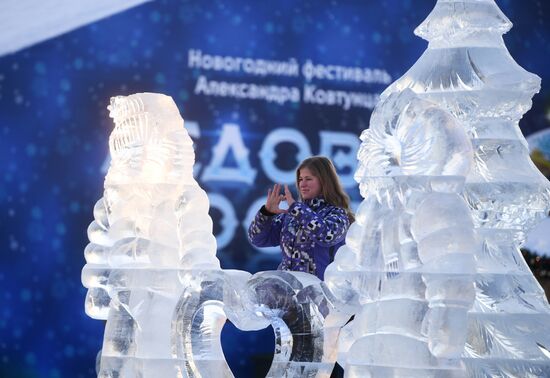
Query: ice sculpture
{"type": "Point", "coordinates": [304, 317]}
{"type": "Point", "coordinates": [468, 77]}
{"type": "Point", "coordinates": [407, 267]}
{"type": "Point", "coordinates": [151, 240]}
{"type": "Point", "coordinates": [152, 270]}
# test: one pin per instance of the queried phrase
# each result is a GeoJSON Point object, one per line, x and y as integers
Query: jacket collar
{"type": "Point", "coordinates": [315, 203]}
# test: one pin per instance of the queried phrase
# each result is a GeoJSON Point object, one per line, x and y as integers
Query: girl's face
{"type": "Point", "coordinates": [308, 185]}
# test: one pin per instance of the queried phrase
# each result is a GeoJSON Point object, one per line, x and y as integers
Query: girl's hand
{"type": "Point", "coordinates": [288, 196]}
{"type": "Point", "coordinates": [274, 198]}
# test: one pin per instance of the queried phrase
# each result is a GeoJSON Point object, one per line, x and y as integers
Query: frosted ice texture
{"type": "Point", "coordinates": [412, 207]}
{"type": "Point", "coordinates": [151, 268]}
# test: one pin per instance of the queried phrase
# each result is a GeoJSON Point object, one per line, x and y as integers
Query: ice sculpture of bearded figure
{"type": "Point", "coordinates": [408, 264]}
{"type": "Point", "coordinates": [150, 242]}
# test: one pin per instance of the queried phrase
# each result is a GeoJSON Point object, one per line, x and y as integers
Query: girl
{"type": "Point", "coordinates": [313, 228]}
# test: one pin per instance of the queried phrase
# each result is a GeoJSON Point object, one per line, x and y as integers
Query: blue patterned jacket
{"type": "Point", "coordinates": [309, 234]}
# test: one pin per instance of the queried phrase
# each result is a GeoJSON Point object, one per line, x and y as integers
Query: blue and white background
{"type": "Point", "coordinates": [261, 86]}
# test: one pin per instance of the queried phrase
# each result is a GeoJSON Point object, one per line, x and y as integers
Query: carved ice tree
{"type": "Point", "coordinates": [468, 73]}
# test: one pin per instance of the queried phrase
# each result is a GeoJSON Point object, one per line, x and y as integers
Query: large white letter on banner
{"type": "Point", "coordinates": [268, 156]}
{"type": "Point", "coordinates": [230, 140]}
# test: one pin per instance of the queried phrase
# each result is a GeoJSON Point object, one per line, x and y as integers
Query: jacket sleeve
{"type": "Point", "coordinates": [326, 231]}
{"type": "Point", "coordinates": [265, 230]}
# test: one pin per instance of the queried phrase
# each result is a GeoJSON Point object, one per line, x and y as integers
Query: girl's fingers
{"type": "Point", "coordinates": [274, 198]}
{"type": "Point", "coordinates": [288, 193]}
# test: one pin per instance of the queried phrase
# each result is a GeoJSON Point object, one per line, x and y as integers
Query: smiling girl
{"type": "Point", "coordinates": [312, 229]}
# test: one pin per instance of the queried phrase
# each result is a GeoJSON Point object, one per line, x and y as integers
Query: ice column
{"type": "Point", "coordinates": [406, 270]}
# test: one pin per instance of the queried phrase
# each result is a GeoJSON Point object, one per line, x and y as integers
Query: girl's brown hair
{"type": "Point", "coordinates": [331, 188]}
